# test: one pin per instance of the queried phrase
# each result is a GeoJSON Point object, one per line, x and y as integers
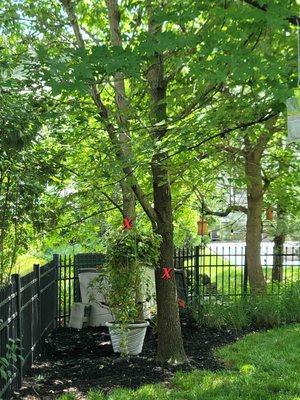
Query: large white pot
{"type": "Point", "coordinates": [134, 338]}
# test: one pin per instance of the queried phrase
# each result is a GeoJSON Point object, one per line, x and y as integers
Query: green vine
{"type": "Point", "coordinates": [121, 280]}
{"type": "Point", "coordinates": [8, 362]}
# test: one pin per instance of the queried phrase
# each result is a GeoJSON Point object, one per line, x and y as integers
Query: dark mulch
{"type": "Point", "coordinates": [80, 360]}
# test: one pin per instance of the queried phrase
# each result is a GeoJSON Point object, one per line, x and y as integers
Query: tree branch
{"type": "Point", "coordinates": [195, 103]}
{"type": "Point", "coordinates": [223, 133]}
{"type": "Point", "coordinates": [114, 203]}
{"type": "Point", "coordinates": [104, 114]}
{"type": "Point", "coordinates": [294, 20]}
{"type": "Point", "coordinates": [231, 149]}
{"type": "Point", "coordinates": [122, 106]}
{"type": "Point", "coordinates": [229, 209]}
{"type": "Point", "coordinates": [266, 136]}
{"type": "Point", "coordinates": [78, 221]}
{"type": "Point", "coordinates": [93, 37]}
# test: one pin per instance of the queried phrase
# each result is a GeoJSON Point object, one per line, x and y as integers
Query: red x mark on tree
{"type": "Point", "coordinates": [166, 273]}
{"type": "Point", "coordinates": [127, 223]}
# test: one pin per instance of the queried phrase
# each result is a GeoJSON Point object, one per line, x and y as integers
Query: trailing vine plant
{"type": "Point", "coordinates": [122, 279]}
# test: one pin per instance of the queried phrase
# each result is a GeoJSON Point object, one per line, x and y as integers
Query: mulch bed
{"type": "Point", "coordinates": [77, 361]}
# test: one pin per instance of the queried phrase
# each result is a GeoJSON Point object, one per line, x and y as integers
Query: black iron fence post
{"type": "Point", "coordinates": [245, 277]}
{"type": "Point", "coordinates": [37, 273]}
{"type": "Point", "coordinates": [197, 271]}
{"type": "Point", "coordinates": [56, 264]}
{"type": "Point", "coordinates": [16, 281]}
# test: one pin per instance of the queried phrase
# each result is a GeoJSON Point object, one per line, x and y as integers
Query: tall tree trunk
{"type": "Point", "coordinates": [254, 223]}
{"type": "Point", "coordinates": [128, 195]}
{"type": "Point", "coordinates": [170, 343]}
{"type": "Point", "coordinates": [279, 239]}
{"type": "Point", "coordinates": [277, 271]}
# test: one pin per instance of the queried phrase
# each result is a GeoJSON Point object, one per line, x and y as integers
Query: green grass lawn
{"type": "Point", "coordinates": [262, 366]}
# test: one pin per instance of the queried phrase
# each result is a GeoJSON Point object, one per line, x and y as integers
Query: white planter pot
{"type": "Point", "coordinates": [134, 337]}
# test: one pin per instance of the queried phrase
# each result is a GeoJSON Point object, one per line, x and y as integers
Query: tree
{"type": "Point", "coordinates": [177, 68]}
{"type": "Point", "coordinates": [24, 173]}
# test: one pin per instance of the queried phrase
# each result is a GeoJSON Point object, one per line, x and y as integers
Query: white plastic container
{"type": "Point", "coordinates": [87, 292]}
{"type": "Point", "coordinates": [134, 338]}
{"type": "Point", "coordinates": [99, 315]}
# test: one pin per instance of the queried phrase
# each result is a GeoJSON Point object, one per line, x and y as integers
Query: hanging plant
{"type": "Point", "coordinates": [121, 280]}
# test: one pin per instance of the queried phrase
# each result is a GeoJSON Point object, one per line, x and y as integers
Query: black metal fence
{"type": "Point", "coordinates": [68, 284]}
{"type": "Point", "coordinates": [28, 310]}
{"type": "Point", "coordinates": [32, 305]}
{"type": "Point", "coordinates": [218, 271]}
{"type": "Point", "coordinates": [210, 272]}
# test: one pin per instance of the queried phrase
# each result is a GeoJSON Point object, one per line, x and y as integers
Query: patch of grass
{"type": "Point", "coordinates": [261, 366]}
{"type": "Point", "coordinates": [68, 396]}
{"type": "Point", "coordinates": [265, 311]}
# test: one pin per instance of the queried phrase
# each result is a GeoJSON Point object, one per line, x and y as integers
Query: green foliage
{"type": "Point", "coordinates": [95, 395]}
{"type": "Point", "coordinates": [265, 311]}
{"type": "Point", "coordinates": [291, 303]}
{"type": "Point", "coordinates": [259, 312]}
{"type": "Point", "coordinates": [226, 63]}
{"type": "Point", "coordinates": [68, 396]}
{"type": "Point", "coordinates": [132, 246]}
{"type": "Point", "coordinates": [26, 157]}
{"type": "Point", "coordinates": [8, 363]}
{"type": "Point", "coordinates": [224, 315]}
{"type": "Point", "coordinates": [260, 366]}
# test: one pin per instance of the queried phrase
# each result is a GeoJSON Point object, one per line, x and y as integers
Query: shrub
{"type": "Point", "coordinates": [291, 302]}
{"type": "Point", "coordinates": [224, 315]}
{"type": "Point", "coordinates": [265, 311]}
{"type": "Point", "coordinates": [259, 312]}
{"type": "Point", "coordinates": [8, 363]}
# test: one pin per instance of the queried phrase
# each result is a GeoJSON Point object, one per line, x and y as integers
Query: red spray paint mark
{"type": "Point", "coordinates": [127, 223]}
{"type": "Point", "coordinates": [166, 273]}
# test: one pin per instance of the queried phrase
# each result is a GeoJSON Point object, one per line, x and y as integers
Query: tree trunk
{"type": "Point", "coordinates": [254, 224]}
{"type": "Point", "coordinates": [279, 239]}
{"type": "Point", "coordinates": [170, 344]}
{"type": "Point", "coordinates": [128, 195]}
{"type": "Point", "coordinates": [277, 271]}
